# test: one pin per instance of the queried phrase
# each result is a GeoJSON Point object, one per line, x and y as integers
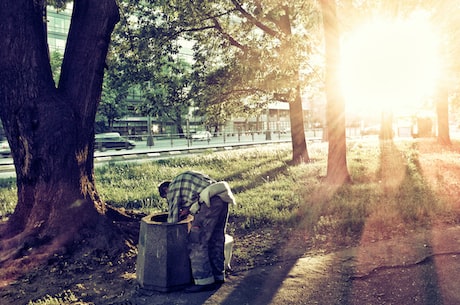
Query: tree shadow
{"type": "Point", "coordinates": [405, 202]}
{"type": "Point", "coordinates": [257, 180]}
{"type": "Point", "coordinates": [358, 277]}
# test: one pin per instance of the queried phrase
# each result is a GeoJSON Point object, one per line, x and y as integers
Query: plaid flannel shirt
{"type": "Point", "coordinates": [184, 190]}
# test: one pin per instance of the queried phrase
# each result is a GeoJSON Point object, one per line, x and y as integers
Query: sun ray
{"type": "Point", "coordinates": [390, 64]}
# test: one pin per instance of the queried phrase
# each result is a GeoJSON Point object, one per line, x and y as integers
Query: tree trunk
{"type": "Point", "coordinates": [386, 126]}
{"type": "Point", "coordinates": [299, 145]}
{"type": "Point", "coordinates": [51, 130]}
{"type": "Point", "coordinates": [180, 129]}
{"type": "Point", "coordinates": [442, 109]}
{"type": "Point", "coordinates": [337, 171]}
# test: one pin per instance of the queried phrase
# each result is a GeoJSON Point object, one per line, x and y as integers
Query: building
{"type": "Point", "coordinates": [275, 119]}
{"type": "Point", "coordinates": [58, 23]}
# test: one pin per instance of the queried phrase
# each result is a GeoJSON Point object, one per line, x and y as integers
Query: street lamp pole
{"type": "Point", "coordinates": [188, 130]}
{"type": "Point", "coordinates": [150, 136]}
{"type": "Point", "coordinates": [268, 135]}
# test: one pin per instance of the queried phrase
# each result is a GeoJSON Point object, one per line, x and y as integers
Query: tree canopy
{"type": "Point", "coordinates": [252, 52]}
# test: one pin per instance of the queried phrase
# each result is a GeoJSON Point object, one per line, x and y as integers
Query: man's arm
{"type": "Point", "coordinates": [173, 209]}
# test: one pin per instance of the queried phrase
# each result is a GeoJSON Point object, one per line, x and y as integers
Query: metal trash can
{"type": "Point", "coordinates": [162, 262]}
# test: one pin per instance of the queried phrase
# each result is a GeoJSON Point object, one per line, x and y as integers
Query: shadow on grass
{"type": "Point", "coordinates": [404, 193]}
{"type": "Point", "coordinates": [259, 179]}
{"type": "Point", "coordinates": [406, 202]}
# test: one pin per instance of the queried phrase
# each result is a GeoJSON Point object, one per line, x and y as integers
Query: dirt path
{"type": "Point", "coordinates": [422, 268]}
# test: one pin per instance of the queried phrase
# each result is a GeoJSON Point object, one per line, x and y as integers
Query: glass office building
{"type": "Point", "coordinates": [58, 23]}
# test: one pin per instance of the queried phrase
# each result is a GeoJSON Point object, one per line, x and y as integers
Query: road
{"type": "Point", "coordinates": [169, 147]}
{"type": "Point", "coordinates": [163, 148]}
{"type": "Point", "coordinates": [164, 142]}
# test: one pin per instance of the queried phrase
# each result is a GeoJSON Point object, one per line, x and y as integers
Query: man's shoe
{"type": "Point", "coordinates": [200, 288]}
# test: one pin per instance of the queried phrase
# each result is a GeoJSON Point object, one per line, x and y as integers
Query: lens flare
{"type": "Point", "coordinates": [390, 65]}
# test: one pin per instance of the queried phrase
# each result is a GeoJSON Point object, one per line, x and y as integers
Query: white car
{"type": "Point", "coordinates": [5, 150]}
{"type": "Point", "coordinates": [202, 136]}
{"type": "Point", "coordinates": [112, 140]}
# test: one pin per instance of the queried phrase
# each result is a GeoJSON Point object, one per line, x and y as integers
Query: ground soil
{"type": "Point", "coordinates": [409, 266]}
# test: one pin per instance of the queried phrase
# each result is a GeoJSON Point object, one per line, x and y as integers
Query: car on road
{"type": "Point", "coordinates": [202, 136]}
{"type": "Point", "coordinates": [112, 140]}
{"type": "Point", "coordinates": [370, 130]}
{"type": "Point", "coordinates": [5, 150]}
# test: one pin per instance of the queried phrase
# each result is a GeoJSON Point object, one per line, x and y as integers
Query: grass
{"type": "Point", "coordinates": [388, 188]}
{"type": "Point", "coordinates": [66, 297]}
{"type": "Point", "coordinates": [390, 194]}
{"type": "Point", "coordinates": [8, 197]}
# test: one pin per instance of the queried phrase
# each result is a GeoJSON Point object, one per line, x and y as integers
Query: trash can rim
{"type": "Point", "coordinates": [148, 219]}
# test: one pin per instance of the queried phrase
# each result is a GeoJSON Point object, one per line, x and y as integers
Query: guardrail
{"type": "Point", "coordinates": [172, 152]}
{"type": "Point", "coordinates": [157, 153]}
{"type": "Point", "coordinates": [223, 136]}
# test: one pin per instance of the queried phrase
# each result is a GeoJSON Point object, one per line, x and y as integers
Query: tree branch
{"type": "Point", "coordinates": [254, 20]}
{"type": "Point", "coordinates": [199, 29]}
{"type": "Point", "coordinates": [227, 36]}
{"type": "Point", "coordinates": [86, 51]}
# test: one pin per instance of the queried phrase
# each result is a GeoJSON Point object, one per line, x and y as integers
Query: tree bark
{"type": "Point", "coordinates": [386, 126]}
{"type": "Point", "coordinates": [51, 130]}
{"type": "Point", "coordinates": [442, 109]}
{"type": "Point", "coordinates": [299, 145]}
{"type": "Point", "coordinates": [337, 171]}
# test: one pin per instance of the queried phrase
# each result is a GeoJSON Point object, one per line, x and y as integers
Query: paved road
{"type": "Point", "coordinates": [165, 147]}
{"type": "Point", "coordinates": [164, 142]}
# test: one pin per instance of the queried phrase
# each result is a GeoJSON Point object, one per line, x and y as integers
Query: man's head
{"type": "Point", "coordinates": [163, 188]}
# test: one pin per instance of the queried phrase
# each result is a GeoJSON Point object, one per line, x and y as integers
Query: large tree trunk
{"type": "Point", "coordinates": [337, 171]}
{"type": "Point", "coordinates": [299, 145]}
{"type": "Point", "coordinates": [51, 130]}
{"type": "Point", "coordinates": [386, 126]}
{"type": "Point", "coordinates": [442, 109]}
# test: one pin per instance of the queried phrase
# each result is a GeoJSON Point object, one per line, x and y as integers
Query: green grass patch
{"type": "Point", "coordinates": [66, 297]}
{"type": "Point", "coordinates": [388, 189]}
{"type": "Point", "coordinates": [8, 196]}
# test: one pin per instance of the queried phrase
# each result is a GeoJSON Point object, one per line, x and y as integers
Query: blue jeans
{"type": "Point", "coordinates": [206, 242]}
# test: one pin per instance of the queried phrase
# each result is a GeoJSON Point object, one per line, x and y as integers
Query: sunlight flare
{"type": "Point", "coordinates": [390, 64]}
